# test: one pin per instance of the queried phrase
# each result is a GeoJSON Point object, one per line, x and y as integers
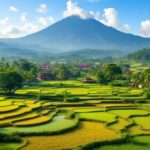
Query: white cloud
{"type": "Point", "coordinates": [42, 8]}
{"type": "Point", "coordinates": [4, 21]}
{"type": "Point", "coordinates": [74, 9]}
{"type": "Point", "coordinates": [109, 18]}
{"type": "Point", "coordinates": [23, 17]}
{"type": "Point", "coordinates": [12, 8]}
{"type": "Point", "coordinates": [145, 28]}
{"type": "Point", "coordinates": [10, 30]}
{"type": "Point", "coordinates": [44, 21]}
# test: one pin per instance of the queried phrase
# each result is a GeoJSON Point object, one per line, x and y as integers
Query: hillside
{"type": "Point", "coordinates": [90, 53]}
{"type": "Point", "coordinates": [142, 55]}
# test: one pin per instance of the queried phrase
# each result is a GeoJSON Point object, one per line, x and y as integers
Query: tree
{"type": "Point", "coordinates": [27, 69]}
{"type": "Point", "coordinates": [136, 79]}
{"type": "Point", "coordinates": [147, 93]}
{"type": "Point", "coordinates": [63, 73]}
{"type": "Point", "coordinates": [65, 95]}
{"type": "Point", "coordinates": [75, 73]}
{"type": "Point", "coordinates": [146, 78]}
{"type": "Point", "coordinates": [112, 72]}
{"type": "Point", "coordinates": [101, 77]}
{"type": "Point", "coordinates": [10, 82]}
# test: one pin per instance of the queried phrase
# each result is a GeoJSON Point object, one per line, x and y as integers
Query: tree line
{"type": "Point", "coordinates": [13, 75]}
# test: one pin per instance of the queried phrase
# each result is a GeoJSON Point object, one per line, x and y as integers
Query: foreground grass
{"type": "Point", "coordinates": [87, 133]}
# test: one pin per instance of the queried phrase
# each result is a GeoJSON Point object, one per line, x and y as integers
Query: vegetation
{"type": "Point", "coordinates": [142, 55]}
{"type": "Point", "coordinates": [10, 82]}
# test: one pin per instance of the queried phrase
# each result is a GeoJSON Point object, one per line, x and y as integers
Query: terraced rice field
{"type": "Point", "coordinates": [83, 91]}
{"type": "Point", "coordinates": [137, 130]}
{"type": "Point", "coordinates": [98, 116]}
{"type": "Point", "coordinates": [88, 132]}
{"type": "Point", "coordinates": [101, 113]}
{"type": "Point", "coordinates": [59, 123]}
{"type": "Point", "coordinates": [126, 113]}
{"type": "Point", "coordinates": [10, 146]}
{"type": "Point", "coordinates": [144, 122]}
{"type": "Point", "coordinates": [120, 124]}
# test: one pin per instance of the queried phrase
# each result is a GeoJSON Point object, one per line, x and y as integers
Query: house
{"type": "Point", "coordinates": [45, 67]}
{"type": "Point", "coordinates": [45, 73]}
{"type": "Point", "coordinates": [45, 76]}
{"type": "Point", "coordinates": [128, 72]}
{"type": "Point", "coordinates": [88, 80]}
{"type": "Point", "coordinates": [84, 67]}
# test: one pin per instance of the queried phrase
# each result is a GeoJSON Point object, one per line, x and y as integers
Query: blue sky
{"type": "Point", "coordinates": [22, 17]}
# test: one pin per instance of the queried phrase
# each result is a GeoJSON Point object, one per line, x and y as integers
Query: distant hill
{"type": "Point", "coordinates": [90, 53]}
{"type": "Point", "coordinates": [142, 55]}
{"type": "Point", "coordinates": [16, 52]}
{"type": "Point", "coordinates": [3, 45]}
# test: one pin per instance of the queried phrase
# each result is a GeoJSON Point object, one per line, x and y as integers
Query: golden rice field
{"type": "Point", "coordinates": [120, 124]}
{"type": "Point", "coordinates": [88, 132]}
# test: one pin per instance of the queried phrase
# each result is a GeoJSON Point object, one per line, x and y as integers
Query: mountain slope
{"type": "Point", "coordinates": [76, 33]}
{"type": "Point", "coordinates": [3, 45]}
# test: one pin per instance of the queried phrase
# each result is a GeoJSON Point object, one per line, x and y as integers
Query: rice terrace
{"type": "Point", "coordinates": [74, 75]}
{"type": "Point", "coordinates": [96, 118]}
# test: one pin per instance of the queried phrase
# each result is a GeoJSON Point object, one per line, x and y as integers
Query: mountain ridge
{"type": "Point", "coordinates": [74, 33]}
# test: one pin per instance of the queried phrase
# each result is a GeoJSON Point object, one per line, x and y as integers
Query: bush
{"type": "Point", "coordinates": [10, 138]}
{"type": "Point", "coordinates": [147, 93]}
{"type": "Point", "coordinates": [44, 97]}
{"type": "Point", "coordinates": [119, 83]}
{"type": "Point", "coordinates": [73, 99]}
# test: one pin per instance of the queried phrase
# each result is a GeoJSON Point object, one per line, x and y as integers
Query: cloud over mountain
{"type": "Point", "coordinates": [110, 16]}
{"type": "Point", "coordinates": [145, 28]}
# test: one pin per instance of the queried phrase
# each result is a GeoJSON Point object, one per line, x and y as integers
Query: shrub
{"type": "Point", "coordinates": [10, 138]}
{"type": "Point", "coordinates": [73, 99]}
{"type": "Point", "coordinates": [44, 97]}
{"type": "Point", "coordinates": [119, 83]}
{"type": "Point", "coordinates": [147, 93]}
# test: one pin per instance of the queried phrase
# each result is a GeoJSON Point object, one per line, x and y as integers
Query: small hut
{"type": "Point", "coordinates": [88, 80]}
